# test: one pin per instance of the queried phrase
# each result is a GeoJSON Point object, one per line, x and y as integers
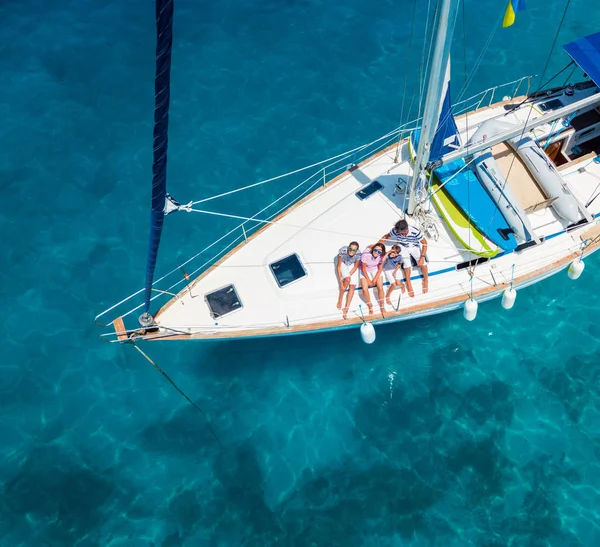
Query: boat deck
{"type": "Point", "coordinates": [331, 217]}
{"type": "Point", "coordinates": [524, 186]}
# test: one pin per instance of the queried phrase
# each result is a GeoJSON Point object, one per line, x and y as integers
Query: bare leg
{"type": "Point", "coordinates": [380, 296]}
{"type": "Point", "coordinates": [425, 273]}
{"type": "Point", "coordinates": [409, 286]}
{"type": "Point", "coordinates": [348, 300]}
{"type": "Point", "coordinates": [389, 294]}
{"type": "Point", "coordinates": [343, 287]}
{"type": "Point", "coordinates": [366, 295]}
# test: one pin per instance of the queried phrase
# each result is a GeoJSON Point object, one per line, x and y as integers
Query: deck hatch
{"type": "Point", "coordinates": [287, 270]}
{"type": "Point", "coordinates": [369, 189]}
{"type": "Point", "coordinates": [223, 301]}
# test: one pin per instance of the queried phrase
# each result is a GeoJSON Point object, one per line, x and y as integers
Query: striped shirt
{"type": "Point", "coordinates": [411, 239]}
{"type": "Point", "coordinates": [349, 259]}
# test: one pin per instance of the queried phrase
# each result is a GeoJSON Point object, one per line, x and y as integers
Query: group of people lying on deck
{"type": "Point", "coordinates": [371, 265]}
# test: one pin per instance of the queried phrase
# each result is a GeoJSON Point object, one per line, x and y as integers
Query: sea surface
{"type": "Point", "coordinates": [442, 433]}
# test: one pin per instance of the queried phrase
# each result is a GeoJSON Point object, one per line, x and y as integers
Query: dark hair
{"type": "Point", "coordinates": [379, 245]}
{"type": "Point", "coordinates": [354, 243]}
{"type": "Point", "coordinates": [396, 248]}
{"type": "Point", "coordinates": [401, 225]}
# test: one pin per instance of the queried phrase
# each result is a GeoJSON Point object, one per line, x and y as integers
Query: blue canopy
{"type": "Point", "coordinates": [586, 53]}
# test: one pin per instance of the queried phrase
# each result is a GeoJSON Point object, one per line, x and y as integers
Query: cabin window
{"type": "Point", "coordinates": [223, 301]}
{"type": "Point", "coordinates": [553, 104]}
{"type": "Point", "coordinates": [287, 270]}
{"type": "Point", "coordinates": [369, 189]}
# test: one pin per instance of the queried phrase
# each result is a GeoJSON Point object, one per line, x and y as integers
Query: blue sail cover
{"type": "Point", "coordinates": [446, 133]}
{"type": "Point", "coordinates": [162, 95]}
{"type": "Point", "coordinates": [586, 53]}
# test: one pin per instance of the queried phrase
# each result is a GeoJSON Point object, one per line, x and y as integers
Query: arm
{"type": "Point", "coordinates": [355, 267]}
{"type": "Point", "coordinates": [384, 238]}
{"type": "Point", "coordinates": [379, 270]}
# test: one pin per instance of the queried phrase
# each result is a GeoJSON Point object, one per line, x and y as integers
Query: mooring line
{"type": "Point", "coordinates": [180, 391]}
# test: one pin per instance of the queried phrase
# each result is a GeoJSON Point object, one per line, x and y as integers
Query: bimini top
{"type": "Point", "coordinates": [586, 53]}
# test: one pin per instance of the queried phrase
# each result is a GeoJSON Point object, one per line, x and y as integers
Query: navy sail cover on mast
{"type": "Point", "coordinates": [445, 138]}
{"type": "Point", "coordinates": [446, 134]}
{"type": "Point", "coordinates": [162, 94]}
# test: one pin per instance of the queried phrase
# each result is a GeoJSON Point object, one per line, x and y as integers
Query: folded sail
{"type": "Point", "coordinates": [162, 94]}
{"type": "Point", "coordinates": [446, 134]}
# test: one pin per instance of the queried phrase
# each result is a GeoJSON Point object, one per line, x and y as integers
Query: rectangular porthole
{"type": "Point", "coordinates": [223, 301]}
{"type": "Point", "coordinates": [287, 270]}
{"type": "Point", "coordinates": [553, 104]}
{"type": "Point", "coordinates": [369, 189]}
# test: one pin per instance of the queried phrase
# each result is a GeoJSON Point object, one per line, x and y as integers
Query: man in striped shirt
{"type": "Point", "coordinates": [414, 245]}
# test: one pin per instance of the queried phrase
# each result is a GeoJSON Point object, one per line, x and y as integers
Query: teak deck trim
{"type": "Point", "coordinates": [341, 323]}
{"type": "Point", "coordinates": [588, 156]}
{"type": "Point", "coordinates": [120, 330]}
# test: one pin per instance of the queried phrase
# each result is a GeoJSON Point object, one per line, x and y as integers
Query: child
{"type": "Point", "coordinates": [348, 260]}
{"type": "Point", "coordinates": [392, 269]}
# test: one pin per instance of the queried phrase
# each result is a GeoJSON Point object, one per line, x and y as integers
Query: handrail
{"type": "Point", "coordinates": [332, 167]}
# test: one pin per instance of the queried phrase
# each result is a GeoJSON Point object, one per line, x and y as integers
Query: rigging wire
{"type": "Point", "coordinates": [530, 110]}
{"type": "Point", "coordinates": [168, 378]}
{"type": "Point", "coordinates": [532, 95]}
{"type": "Point", "coordinates": [424, 69]}
{"type": "Point", "coordinates": [412, 28]}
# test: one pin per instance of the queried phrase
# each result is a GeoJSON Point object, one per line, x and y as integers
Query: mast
{"type": "Point", "coordinates": [435, 88]}
{"type": "Point", "coordinates": [162, 95]}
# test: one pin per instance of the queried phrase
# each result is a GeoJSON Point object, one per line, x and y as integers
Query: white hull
{"type": "Point", "coordinates": [330, 217]}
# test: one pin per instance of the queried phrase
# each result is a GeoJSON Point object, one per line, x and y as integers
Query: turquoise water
{"type": "Point", "coordinates": [442, 433]}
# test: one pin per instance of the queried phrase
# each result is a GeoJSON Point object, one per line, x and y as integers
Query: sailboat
{"type": "Point", "coordinates": [505, 193]}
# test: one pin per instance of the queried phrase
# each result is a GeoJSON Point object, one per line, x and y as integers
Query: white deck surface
{"type": "Point", "coordinates": [333, 217]}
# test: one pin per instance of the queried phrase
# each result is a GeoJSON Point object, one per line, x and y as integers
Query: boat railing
{"type": "Point", "coordinates": [302, 182]}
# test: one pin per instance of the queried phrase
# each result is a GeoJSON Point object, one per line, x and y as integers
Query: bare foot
{"type": "Point", "coordinates": [425, 287]}
{"type": "Point", "coordinates": [339, 304]}
{"type": "Point", "coordinates": [370, 306]}
{"type": "Point", "coordinates": [388, 301]}
{"type": "Point", "coordinates": [382, 310]}
{"type": "Point", "coordinates": [411, 292]}
{"type": "Point", "coordinates": [345, 313]}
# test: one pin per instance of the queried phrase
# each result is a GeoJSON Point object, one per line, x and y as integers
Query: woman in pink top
{"type": "Point", "coordinates": [371, 266]}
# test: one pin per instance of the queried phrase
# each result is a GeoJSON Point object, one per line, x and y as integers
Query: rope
{"type": "Point", "coordinates": [180, 391]}
{"type": "Point", "coordinates": [412, 27]}
{"type": "Point", "coordinates": [541, 87]}
{"type": "Point", "coordinates": [530, 110]}
{"type": "Point", "coordinates": [338, 156]}
{"type": "Point", "coordinates": [479, 59]}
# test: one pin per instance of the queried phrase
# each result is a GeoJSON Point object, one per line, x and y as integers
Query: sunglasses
{"type": "Point", "coordinates": [352, 250]}
{"type": "Point", "coordinates": [377, 251]}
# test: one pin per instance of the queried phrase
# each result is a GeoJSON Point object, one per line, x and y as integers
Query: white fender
{"type": "Point", "coordinates": [576, 269]}
{"type": "Point", "coordinates": [508, 298]}
{"type": "Point", "coordinates": [367, 333]}
{"type": "Point", "coordinates": [470, 309]}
